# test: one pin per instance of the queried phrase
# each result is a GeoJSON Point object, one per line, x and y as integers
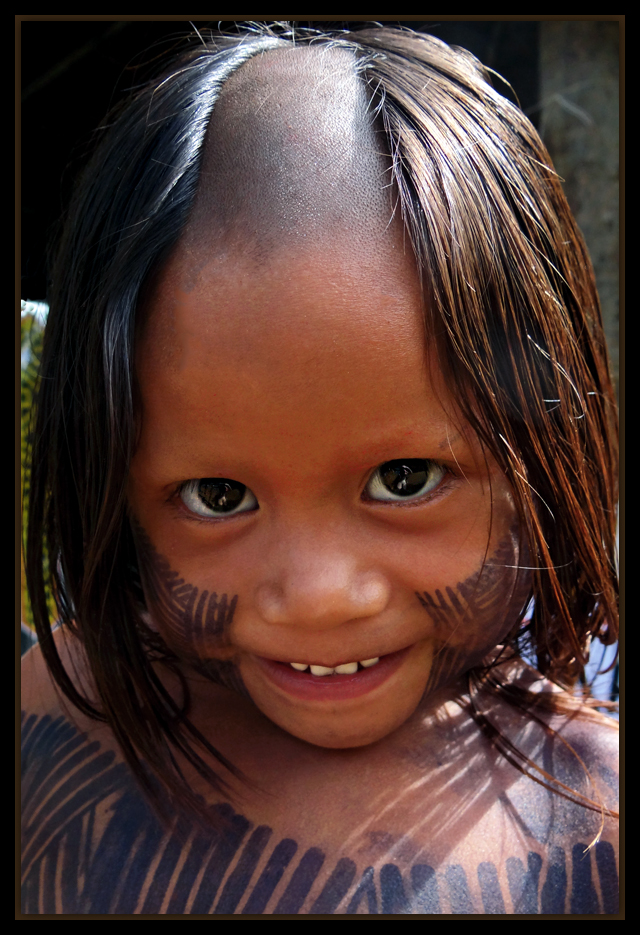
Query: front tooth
{"type": "Point", "coordinates": [321, 670]}
{"type": "Point", "coordinates": [348, 668]}
{"type": "Point", "coordinates": [369, 662]}
{"type": "Point", "coordinates": [300, 666]}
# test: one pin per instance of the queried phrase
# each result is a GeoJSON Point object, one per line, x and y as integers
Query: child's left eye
{"type": "Point", "coordinates": [395, 481]}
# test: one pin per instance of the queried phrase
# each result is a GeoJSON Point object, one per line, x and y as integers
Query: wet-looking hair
{"type": "Point", "coordinates": [511, 304]}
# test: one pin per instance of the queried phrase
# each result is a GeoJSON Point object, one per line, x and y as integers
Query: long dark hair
{"type": "Point", "coordinates": [512, 305]}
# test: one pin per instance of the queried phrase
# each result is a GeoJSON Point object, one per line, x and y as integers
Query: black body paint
{"type": "Point", "coordinates": [366, 889]}
{"type": "Point", "coordinates": [336, 887]}
{"type": "Point", "coordinates": [523, 884]}
{"type": "Point", "coordinates": [134, 865]}
{"type": "Point", "coordinates": [301, 882]}
{"type": "Point", "coordinates": [606, 863]}
{"type": "Point", "coordinates": [554, 892]}
{"type": "Point", "coordinates": [584, 898]}
{"type": "Point", "coordinates": [492, 901]}
{"type": "Point", "coordinates": [196, 619]}
{"type": "Point", "coordinates": [238, 881]}
{"type": "Point", "coordinates": [459, 894]}
{"type": "Point", "coordinates": [271, 875]}
{"type": "Point", "coordinates": [228, 845]}
{"type": "Point", "coordinates": [394, 899]}
{"type": "Point", "coordinates": [425, 887]}
{"type": "Point", "coordinates": [198, 853]}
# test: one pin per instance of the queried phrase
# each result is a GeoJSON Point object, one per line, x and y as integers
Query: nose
{"type": "Point", "coordinates": [321, 589]}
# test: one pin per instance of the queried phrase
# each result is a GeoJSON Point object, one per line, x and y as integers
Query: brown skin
{"type": "Point", "coordinates": [299, 380]}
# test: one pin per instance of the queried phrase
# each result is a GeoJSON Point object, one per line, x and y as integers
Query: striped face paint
{"type": "Point", "coordinates": [194, 622]}
{"type": "Point", "coordinates": [475, 615]}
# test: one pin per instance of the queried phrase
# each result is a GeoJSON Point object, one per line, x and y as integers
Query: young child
{"type": "Point", "coordinates": [325, 439]}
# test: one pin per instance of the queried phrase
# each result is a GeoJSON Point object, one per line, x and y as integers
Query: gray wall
{"type": "Point", "coordinates": [579, 122]}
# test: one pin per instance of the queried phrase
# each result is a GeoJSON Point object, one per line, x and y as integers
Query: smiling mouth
{"type": "Point", "coordinates": [348, 680]}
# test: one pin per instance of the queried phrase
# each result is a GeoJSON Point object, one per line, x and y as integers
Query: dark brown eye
{"type": "Point", "coordinates": [404, 479]}
{"type": "Point", "coordinates": [217, 496]}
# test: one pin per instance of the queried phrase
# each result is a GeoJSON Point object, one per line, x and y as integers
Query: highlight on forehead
{"type": "Point", "coordinates": [293, 153]}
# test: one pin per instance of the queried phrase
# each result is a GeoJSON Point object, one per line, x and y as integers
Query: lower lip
{"type": "Point", "coordinates": [332, 687]}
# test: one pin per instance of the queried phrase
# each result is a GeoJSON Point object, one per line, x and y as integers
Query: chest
{"type": "Point", "coordinates": [92, 845]}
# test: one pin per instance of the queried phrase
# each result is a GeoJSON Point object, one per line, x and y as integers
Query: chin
{"type": "Point", "coordinates": [344, 737]}
{"type": "Point", "coordinates": [329, 742]}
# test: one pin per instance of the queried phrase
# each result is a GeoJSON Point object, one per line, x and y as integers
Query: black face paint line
{"type": "Point", "coordinates": [196, 619]}
{"type": "Point", "coordinates": [471, 618]}
{"type": "Point", "coordinates": [194, 623]}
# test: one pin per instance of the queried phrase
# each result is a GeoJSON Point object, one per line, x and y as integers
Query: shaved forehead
{"type": "Point", "coordinates": [292, 155]}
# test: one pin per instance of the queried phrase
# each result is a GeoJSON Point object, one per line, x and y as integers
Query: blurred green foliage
{"type": "Point", "coordinates": [32, 332]}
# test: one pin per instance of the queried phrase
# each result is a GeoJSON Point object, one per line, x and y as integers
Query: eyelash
{"type": "Point", "coordinates": [406, 471]}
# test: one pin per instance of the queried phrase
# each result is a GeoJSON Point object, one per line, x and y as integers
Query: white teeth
{"type": "Point", "coordinates": [321, 670]}
{"type": "Point", "coordinates": [347, 668]}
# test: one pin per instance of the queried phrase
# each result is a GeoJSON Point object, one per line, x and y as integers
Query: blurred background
{"type": "Point", "coordinates": [563, 73]}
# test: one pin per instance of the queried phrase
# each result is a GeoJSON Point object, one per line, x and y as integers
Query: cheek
{"type": "Point", "coordinates": [221, 671]}
{"type": "Point", "coordinates": [472, 617]}
{"type": "Point", "coordinates": [193, 621]}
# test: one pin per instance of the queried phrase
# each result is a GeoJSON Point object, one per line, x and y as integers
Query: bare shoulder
{"type": "Point", "coordinates": [577, 732]}
{"type": "Point", "coordinates": [38, 690]}
{"type": "Point", "coordinates": [47, 712]}
{"type": "Point", "coordinates": [71, 776]}
{"type": "Point", "coordinates": [584, 754]}
{"type": "Point", "coordinates": [593, 738]}
{"type": "Point", "coordinates": [555, 812]}
{"type": "Point", "coordinates": [568, 794]}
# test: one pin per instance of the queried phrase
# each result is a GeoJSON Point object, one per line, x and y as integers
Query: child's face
{"type": "Point", "coordinates": [297, 381]}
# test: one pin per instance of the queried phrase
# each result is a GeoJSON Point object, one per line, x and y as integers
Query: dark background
{"type": "Point", "coordinates": [73, 72]}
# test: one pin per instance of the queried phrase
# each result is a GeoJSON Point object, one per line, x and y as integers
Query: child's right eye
{"type": "Point", "coordinates": [217, 496]}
